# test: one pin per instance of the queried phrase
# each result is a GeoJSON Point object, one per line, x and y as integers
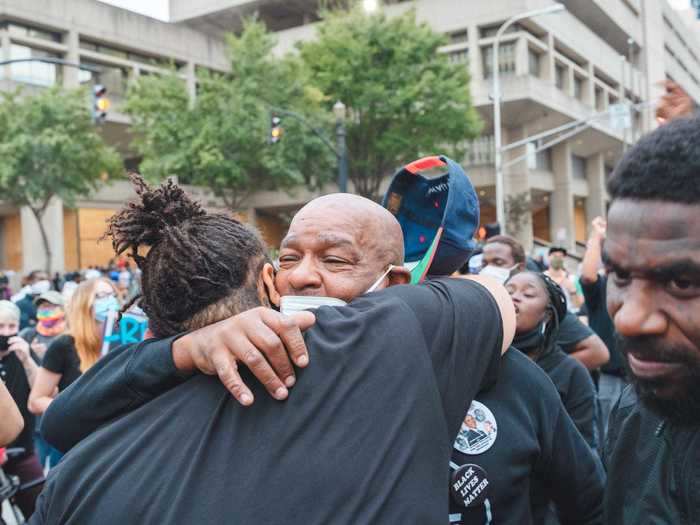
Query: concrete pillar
{"type": "Point", "coordinates": [589, 93]}
{"type": "Point", "coordinates": [190, 73]}
{"type": "Point", "coordinates": [549, 72]}
{"type": "Point", "coordinates": [251, 217]}
{"type": "Point", "coordinates": [562, 201]}
{"type": "Point", "coordinates": [516, 185]}
{"type": "Point", "coordinates": [522, 62]}
{"type": "Point", "coordinates": [653, 56]}
{"type": "Point", "coordinates": [33, 253]}
{"type": "Point", "coordinates": [475, 71]}
{"type": "Point", "coordinates": [597, 195]}
{"type": "Point", "coordinates": [71, 78]}
{"type": "Point", "coordinates": [5, 44]}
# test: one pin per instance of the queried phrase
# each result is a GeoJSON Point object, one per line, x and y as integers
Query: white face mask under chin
{"type": "Point", "coordinates": [496, 272]}
{"type": "Point", "coordinates": [290, 304]}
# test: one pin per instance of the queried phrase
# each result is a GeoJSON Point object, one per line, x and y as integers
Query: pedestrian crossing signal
{"type": "Point", "coordinates": [100, 103]}
{"type": "Point", "coordinates": [276, 130]}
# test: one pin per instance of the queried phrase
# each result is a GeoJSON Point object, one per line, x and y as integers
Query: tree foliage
{"type": "Point", "coordinates": [220, 139]}
{"type": "Point", "coordinates": [405, 99]}
{"type": "Point", "coordinates": [50, 147]}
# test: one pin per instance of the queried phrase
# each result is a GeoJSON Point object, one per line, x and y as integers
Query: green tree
{"type": "Point", "coordinates": [404, 98]}
{"type": "Point", "coordinates": [220, 139]}
{"type": "Point", "coordinates": [50, 148]}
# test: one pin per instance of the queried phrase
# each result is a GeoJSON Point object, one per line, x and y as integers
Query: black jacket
{"type": "Point", "coordinates": [653, 468]}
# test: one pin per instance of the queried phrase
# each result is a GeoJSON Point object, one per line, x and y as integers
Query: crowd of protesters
{"type": "Point", "coordinates": [435, 379]}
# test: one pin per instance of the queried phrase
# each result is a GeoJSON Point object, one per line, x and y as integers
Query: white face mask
{"type": "Point", "coordinates": [496, 272]}
{"type": "Point", "coordinates": [290, 304]}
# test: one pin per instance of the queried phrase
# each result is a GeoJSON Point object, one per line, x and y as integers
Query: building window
{"type": "Point", "coordinates": [490, 31]}
{"type": "Point", "coordinates": [96, 47]}
{"type": "Point", "coordinates": [37, 73]}
{"type": "Point", "coordinates": [16, 29]}
{"type": "Point", "coordinates": [599, 99]}
{"type": "Point", "coordinates": [560, 76]}
{"type": "Point", "coordinates": [506, 59]}
{"type": "Point", "coordinates": [578, 167]}
{"type": "Point", "coordinates": [543, 160]}
{"type": "Point", "coordinates": [114, 78]}
{"type": "Point", "coordinates": [533, 62]}
{"type": "Point", "coordinates": [459, 37]}
{"type": "Point", "coordinates": [578, 87]}
{"type": "Point", "coordinates": [459, 57]}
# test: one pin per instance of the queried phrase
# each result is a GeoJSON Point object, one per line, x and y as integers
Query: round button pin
{"type": "Point", "coordinates": [469, 486]}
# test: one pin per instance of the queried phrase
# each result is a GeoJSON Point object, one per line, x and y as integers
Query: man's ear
{"type": "Point", "coordinates": [268, 278]}
{"type": "Point", "coordinates": [399, 275]}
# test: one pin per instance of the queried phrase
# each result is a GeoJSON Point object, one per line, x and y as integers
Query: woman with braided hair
{"type": "Point", "coordinates": [540, 304]}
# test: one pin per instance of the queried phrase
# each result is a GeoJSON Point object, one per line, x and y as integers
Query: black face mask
{"type": "Point", "coordinates": [4, 343]}
{"type": "Point", "coordinates": [530, 342]}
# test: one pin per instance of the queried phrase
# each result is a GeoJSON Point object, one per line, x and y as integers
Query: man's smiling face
{"type": "Point", "coordinates": [337, 246]}
{"type": "Point", "coordinates": [652, 255]}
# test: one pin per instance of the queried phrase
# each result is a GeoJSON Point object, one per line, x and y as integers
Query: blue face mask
{"type": "Point", "coordinates": [102, 307]}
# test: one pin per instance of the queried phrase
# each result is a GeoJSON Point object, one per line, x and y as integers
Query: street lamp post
{"type": "Point", "coordinates": [498, 159]}
{"type": "Point", "coordinates": [340, 112]}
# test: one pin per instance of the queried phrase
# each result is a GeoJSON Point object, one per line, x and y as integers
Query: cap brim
{"type": "Point", "coordinates": [420, 268]}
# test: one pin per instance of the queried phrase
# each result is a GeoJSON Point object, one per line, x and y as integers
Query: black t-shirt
{"type": "Point", "coordinates": [62, 358]}
{"type": "Point", "coordinates": [600, 322]}
{"type": "Point", "coordinates": [576, 389]}
{"type": "Point", "coordinates": [532, 453]}
{"type": "Point", "coordinates": [15, 378]}
{"type": "Point", "coordinates": [571, 332]}
{"type": "Point", "coordinates": [363, 438]}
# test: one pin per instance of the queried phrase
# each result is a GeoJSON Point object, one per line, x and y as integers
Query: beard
{"type": "Point", "coordinates": [680, 403]}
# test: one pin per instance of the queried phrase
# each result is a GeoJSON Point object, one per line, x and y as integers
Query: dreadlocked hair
{"type": "Point", "coordinates": [200, 267]}
{"type": "Point", "coordinates": [557, 308]}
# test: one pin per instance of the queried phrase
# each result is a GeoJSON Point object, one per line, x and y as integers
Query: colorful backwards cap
{"type": "Point", "coordinates": [438, 210]}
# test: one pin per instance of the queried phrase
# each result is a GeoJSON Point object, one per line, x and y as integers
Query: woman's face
{"type": "Point", "coordinates": [103, 290]}
{"type": "Point", "coordinates": [9, 326]}
{"type": "Point", "coordinates": [530, 300]}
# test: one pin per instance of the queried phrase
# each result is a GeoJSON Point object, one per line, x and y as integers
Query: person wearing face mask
{"type": "Point", "coordinates": [559, 274]}
{"type": "Point", "coordinates": [38, 283]}
{"type": "Point", "coordinates": [50, 325]}
{"type": "Point", "coordinates": [71, 354]}
{"type": "Point", "coordinates": [539, 306]}
{"type": "Point", "coordinates": [292, 462]}
{"type": "Point", "coordinates": [18, 371]}
{"type": "Point", "coordinates": [503, 256]}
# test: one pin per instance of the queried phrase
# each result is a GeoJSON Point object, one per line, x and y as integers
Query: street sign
{"type": "Point", "coordinates": [620, 116]}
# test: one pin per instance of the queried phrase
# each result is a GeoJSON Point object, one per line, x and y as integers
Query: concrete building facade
{"type": "Point", "coordinates": [554, 69]}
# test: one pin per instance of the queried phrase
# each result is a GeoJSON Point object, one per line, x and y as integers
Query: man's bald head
{"type": "Point", "coordinates": [378, 230]}
{"type": "Point", "coordinates": [338, 246]}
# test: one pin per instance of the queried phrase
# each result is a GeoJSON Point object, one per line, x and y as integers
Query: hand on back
{"type": "Point", "coordinates": [262, 339]}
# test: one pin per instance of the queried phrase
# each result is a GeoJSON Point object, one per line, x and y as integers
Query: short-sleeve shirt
{"type": "Point", "coordinates": [571, 332]}
{"type": "Point", "coordinates": [600, 322]}
{"type": "Point", "coordinates": [15, 378]}
{"type": "Point", "coordinates": [62, 358]}
{"type": "Point", "coordinates": [364, 437]}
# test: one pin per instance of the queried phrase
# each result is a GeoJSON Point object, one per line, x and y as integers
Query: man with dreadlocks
{"type": "Point", "coordinates": [366, 436]}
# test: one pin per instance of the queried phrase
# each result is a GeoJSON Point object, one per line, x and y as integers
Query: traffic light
{"type": "Point", "coordinates": [275, 130]}
{"type": "Point", "coordinates": [100, 103]}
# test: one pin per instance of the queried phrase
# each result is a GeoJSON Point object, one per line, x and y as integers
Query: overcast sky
{"type": "Point", "coordinates": [155, 8]}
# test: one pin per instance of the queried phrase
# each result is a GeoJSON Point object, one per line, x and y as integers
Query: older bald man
{"type": "Point", "coordinates": [369, 429]}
